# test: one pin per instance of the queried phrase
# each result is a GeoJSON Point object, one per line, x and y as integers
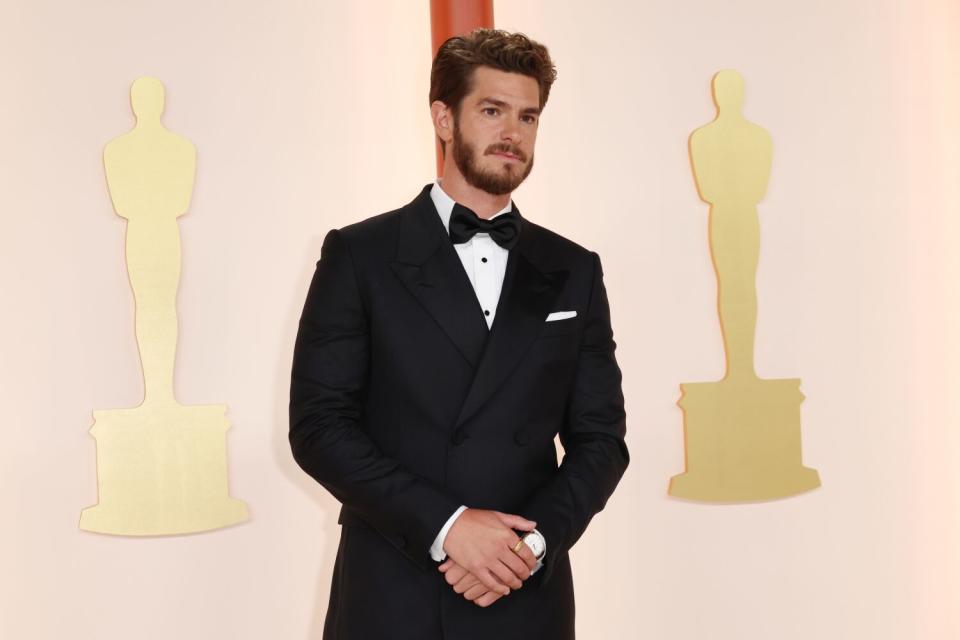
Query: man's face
{"type": "Point", "coordinates": [496, 129]}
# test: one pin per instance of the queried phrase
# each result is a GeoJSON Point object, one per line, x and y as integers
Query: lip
{"type": "Point", "coordinates": [507, 156]}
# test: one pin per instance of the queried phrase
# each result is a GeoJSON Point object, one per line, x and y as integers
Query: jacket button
{"type": "Point", "coordinates": [458, 437]}
{"type": "Point", "coordinates": [520, 437]}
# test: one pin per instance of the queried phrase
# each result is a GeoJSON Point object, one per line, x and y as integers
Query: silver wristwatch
{"type": "Point", "coordinates": [534, 539]}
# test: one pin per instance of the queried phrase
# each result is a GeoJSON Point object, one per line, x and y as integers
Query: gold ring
{"type": "Point", "coordinates": [516, 548]}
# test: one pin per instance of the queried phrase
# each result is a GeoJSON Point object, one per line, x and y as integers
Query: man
{"type": "Point", "coordinates": [441, 349]}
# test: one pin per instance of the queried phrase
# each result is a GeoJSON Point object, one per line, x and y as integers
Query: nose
{"type": "Point", "coordinates": [511, 133]}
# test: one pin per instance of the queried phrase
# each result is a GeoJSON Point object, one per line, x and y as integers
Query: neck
{"type": "Point", "coordinates": [149, 123]}
{"type": "Point", "coordinates": [480, 202]}
{"type": "Point", "coordinates": [730, 113]}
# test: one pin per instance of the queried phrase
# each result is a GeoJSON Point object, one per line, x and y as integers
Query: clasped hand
{"type": "Point", "coordinates": [481, 563]}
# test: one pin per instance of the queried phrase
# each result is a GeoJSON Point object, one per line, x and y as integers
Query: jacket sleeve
{"type": "Point", "coordinates": [595, 454]}
{"type": "Point", "coordinates": [327, 434]}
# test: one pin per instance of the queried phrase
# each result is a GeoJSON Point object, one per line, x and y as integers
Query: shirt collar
{"type": "Point", "coordinates": [444, 204]}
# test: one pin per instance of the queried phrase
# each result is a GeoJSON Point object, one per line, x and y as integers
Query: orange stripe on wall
{"type": "Point", "coordinates": [453, 17]}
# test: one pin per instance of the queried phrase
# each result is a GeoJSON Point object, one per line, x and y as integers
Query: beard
{"type": "Point", "coordinates": [493, 182]}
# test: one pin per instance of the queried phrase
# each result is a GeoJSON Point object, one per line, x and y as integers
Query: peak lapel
{"type": "Point", "coordinates": [428, 265]}
{"type": "Point", "coordinates": [527, 296]}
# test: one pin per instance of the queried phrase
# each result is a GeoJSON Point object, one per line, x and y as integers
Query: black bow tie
{"type": "Point", "coordinates": [504, 229]}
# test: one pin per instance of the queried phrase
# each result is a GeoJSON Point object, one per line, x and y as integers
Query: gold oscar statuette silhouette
{"type": "Point", "coordinates": [742, 433]}
{"type": "Point", "coordinates": [161, 466]}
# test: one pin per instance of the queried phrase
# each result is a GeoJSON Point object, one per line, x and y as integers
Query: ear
{"type": "Point", "coordinates": [442, 118]}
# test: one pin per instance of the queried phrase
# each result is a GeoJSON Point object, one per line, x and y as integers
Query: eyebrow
{"type": "Point", "coordinates": [502, 104]}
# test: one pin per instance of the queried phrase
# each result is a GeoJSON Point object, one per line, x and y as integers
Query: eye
{"type": "Point", "coordinates": [491, 109]}
{"type": "Point", "coordinates": [531, 119]}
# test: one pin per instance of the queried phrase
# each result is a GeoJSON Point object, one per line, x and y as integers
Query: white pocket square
{"type": "Point", "coordinates": [560, 315]}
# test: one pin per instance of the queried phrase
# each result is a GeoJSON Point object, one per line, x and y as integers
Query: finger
{"type": "Point", "coordinates": [516, 565]}
{"type": "Point", "coordinates": [526, 554]}
{"type": "Point", "coordinates": [487, 599]}
{"type": "Point", "coordinates": [467, 580]}
{"type": "Point", "coordinates": [475, 592]}
{"type": "Point", "coordinates": [516, 522]}
{"type": "Point", "coordinates": [506, 574]}
{"type": "Point", "coordinates": [492, 581]}
{"type": "Point", "coordinates": [466, 583]}
{"type": "Point", "coordinates": [446, 564]}
{"type": "Point", "coordinates": [454, 575]}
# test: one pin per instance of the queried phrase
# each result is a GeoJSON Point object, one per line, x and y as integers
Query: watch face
{"type": "Point", "coordinates": [535, 542]}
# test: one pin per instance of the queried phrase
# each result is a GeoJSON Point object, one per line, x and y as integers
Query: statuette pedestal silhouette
{"type": "Point", "coordinates": [162, 470]}
{"type": "Point", "coordinates": [161, 466]}
{"type": "Point", "coordinates": [743, 441]}
{"type": "Point", "coordinates": [742, 433]}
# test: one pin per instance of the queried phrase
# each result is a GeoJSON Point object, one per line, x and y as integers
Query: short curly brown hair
{"type": "Point", "coordinates": [452, 72]}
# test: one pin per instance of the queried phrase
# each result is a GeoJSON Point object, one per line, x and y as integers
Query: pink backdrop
{"type": "Point", "coordinates": [311, 115]}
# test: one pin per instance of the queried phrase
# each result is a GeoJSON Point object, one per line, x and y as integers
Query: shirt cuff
{"type": "Point", "coordinates": [540, 559]}
{"type": "Point", "coordinates": [436, 549]}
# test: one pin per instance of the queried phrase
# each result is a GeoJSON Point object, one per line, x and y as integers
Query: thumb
{"type": "Point", "coordinates": [516, 522]}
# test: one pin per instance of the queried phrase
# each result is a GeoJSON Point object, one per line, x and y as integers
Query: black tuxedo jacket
{"type": "Point", "coordinates": [404, 406]}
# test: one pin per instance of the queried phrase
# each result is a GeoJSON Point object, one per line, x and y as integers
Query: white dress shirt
{"type": "Point", "coordinates": [483, 259]}
{"type": "Point", "coordinates": [485, 263]}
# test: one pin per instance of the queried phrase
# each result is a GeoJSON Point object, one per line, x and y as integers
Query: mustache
{"type": "Point", "coordinates": [502, 149]}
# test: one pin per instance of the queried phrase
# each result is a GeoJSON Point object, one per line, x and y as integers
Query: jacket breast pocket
{"type": "Point", "coordinates": [566, 326]}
